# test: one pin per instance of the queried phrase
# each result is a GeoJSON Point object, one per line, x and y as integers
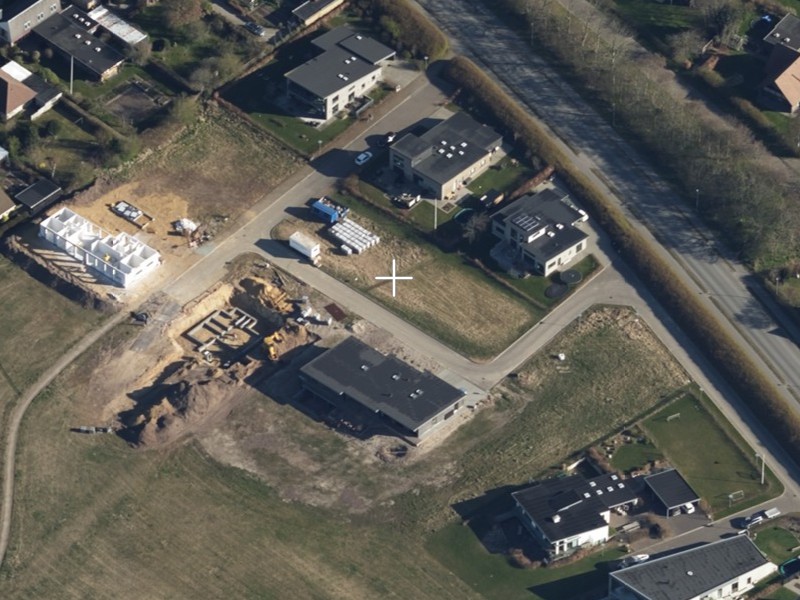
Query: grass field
{"type": "Point", "coordinates": [491, 575]}
{"type": "Point", "coordinates": [97, 519]}
{"type": "Point", "coordinates": [503, 177]}
{"type": "Point", "coordinates": [712, 457]}
{"type": "Point", "coordinates": [782, 594]}
{"type": "Point", "coordinates": [777, 543]}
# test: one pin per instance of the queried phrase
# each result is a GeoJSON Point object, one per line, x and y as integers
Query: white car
{"type": "Point", "coordinates": [636, 559]}
{"type": "Point", "coordinates": [363, 158]}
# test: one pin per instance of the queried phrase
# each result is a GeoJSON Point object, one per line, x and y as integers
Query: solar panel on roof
{"type": "Point", "coordinates": [526, 222]}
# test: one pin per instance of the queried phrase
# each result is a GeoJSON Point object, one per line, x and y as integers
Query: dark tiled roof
{"type": "Point", "coordinates": [692, 573]}
{"type": "Point", "coordinates": [449, 148]}
{"type": "Point", "coordinates": [38, 196]}
{"type": "Point", "coordinates": [60, 32]}
{"type": "Point", "coordinates": [785, 33]}
{"type": "Point", "coordinates": [671, 488]}
{"type": "Point", "coordinates": [382, 383]}
{"type": "Point", "coordinates": [325, 74]}
{"type": "Point", "coordinates": [575, 514]}
{"type": "Point", "coordinates": [612, 490]}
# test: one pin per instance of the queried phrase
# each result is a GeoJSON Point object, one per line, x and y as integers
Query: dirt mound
{"type": "Point", "coordinates": [182, 402]}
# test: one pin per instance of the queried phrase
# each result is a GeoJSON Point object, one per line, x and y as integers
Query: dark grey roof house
{"type": "Point", "coordinates": [18, 18]}
{"type": "Point", "coordinates": [785, 33]}
{"type": "Point", "coordinates": [347, 69]}
{"type": "Point", "coordinates": [414, 400]}
{"type": "Point", "coordinates": [671, 490]}
{"type": "Point", "coordinates": [38, 196]}
{"type": "Point", "coordinates": [542, 229]}
{"type": "Point", "coordinates": [724, 569]}
{"type": "Point", "coordinates": [445, 158]}
{"type": "Point", "coordinates": [568, 513]}
{"type": "Point", "coordinates": [73, 40]}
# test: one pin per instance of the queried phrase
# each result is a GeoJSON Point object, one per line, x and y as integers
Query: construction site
{"type": "Point", "coordinates": [236, 334]}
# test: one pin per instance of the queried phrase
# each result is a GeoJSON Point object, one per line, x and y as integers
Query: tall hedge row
{"type": "Point", "coordinates": [406, 28]}
{"type": "Point", "coordinates": [754, 388]}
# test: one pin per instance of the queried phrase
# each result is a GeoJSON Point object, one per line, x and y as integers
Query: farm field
{"type": "Point", "coordinates": [712, 457]}
{"type": "Point", "coordinates": [77, 528]}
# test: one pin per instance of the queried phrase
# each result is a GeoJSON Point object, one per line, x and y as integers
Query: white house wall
{"type": "Point", "coordinates": [121, 258]}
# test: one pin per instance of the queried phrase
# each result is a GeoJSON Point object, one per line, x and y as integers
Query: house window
{"type": "Point", "coordinates": [53, 7]}
{"type": "Point", "coordinates": [579, 247]}
{"type": "Point", "coordinates": [735, 586]}
{"type": "Point", "coordinates": [335, 98]}
{"type": "Point", "coordinates": [27, 25]}
{"type": "Point", "coordinates": [374, 77]}
{"type": "Point", "coordinates": [335, 108]}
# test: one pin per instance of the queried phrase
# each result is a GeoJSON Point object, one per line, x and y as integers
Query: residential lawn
{"type": "Point", "coordinates": [776, 542]}
{"type": "Point", "coordinates": [492, 576]}
{"type": "Point", "coordinates": [710, 454]}
{"type": "Point", "coordinates": [634, 455]}
{"type": "Point", "coordinates": [255, 95]}
{"type": "Point", "coordinates": [782, 594]}
{"type": "Point", "coordinates": [535, 285]}
{"type": "Point", "coordinates": [506, 178]}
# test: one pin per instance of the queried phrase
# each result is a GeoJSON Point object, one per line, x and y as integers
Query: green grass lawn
{"type": "Point", "coordinates": [535, 286]}
{"type": "Point", "coordinates": [503, 179]}
{"type": "Point", "coordinates": [492, 576]}
{"type": "Point", "coordinates": [710, 454]}
{"type": "Point", "coordinates": [634, 455]}
{"type": "Point", "coordinates": [782, 594]}
{"type": "Point", "coordinates": [776, 542]}
{"type": "Point", "coordinates": [254, 94]}
{"type": "Point", "coordinates": [657, 20]}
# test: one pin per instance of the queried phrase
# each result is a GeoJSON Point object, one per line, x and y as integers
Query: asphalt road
{"type": "Point", "coordinates": [709, 267]}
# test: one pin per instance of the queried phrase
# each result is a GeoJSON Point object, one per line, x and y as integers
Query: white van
{"type": "Point", "coordinates": [688, 508]}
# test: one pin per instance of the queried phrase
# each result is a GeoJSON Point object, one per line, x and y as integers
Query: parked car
{"type": "Point", "coordinates": [634, 559]}
{"type": "Point", "coordinates": [255, 29]}
{"type": "Point", "coordinates": [755, 519]}
{"type": "Point", "coordinates": [688, 508]}
{"type": "Point", "coordinates": [363, 158]}
{"type": "Point", "coordinates": [771, 513]}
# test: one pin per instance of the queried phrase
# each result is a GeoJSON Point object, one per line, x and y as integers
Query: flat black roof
{"type": "Point", "coordinates": [574, 513]}
{"type": "Point", "coordinates": [612, 490]}
{"type": "Point", "coordinates": [38, 196]}
{"type": "Point", "coordinates": [354, 42]}
{"type": "Point", "coordinates": [60, 32]}
{"type": "Point", "coordinates": [330, 72]}
{"type": "Point", "coordinates": [382, 383]}
{"type": "Point", "coordinates": [786, 33]}
{"type": "Point", "coordinates": [449, 148]}
{"type": "Point", "coordinates": [691, 573]}
{"type": "Point", "coordinates": [310, 8]}
{"type": "Point", "coordinates": [544, 210]}
{"type": "Point", "coordinates": [671, 488]}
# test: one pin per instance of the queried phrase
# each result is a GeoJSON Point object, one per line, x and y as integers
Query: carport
{"type": "Point", "coordinates": [670, 490]}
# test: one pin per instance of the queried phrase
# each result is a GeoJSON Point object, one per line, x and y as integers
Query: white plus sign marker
{"type": "Point", "coordinates": [393, 278]}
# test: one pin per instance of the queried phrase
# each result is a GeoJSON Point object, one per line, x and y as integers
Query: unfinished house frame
{"type": "Point", "coordinates": [120, 257]}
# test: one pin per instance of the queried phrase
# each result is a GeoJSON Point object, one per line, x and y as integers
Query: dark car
{"type": "Point", "coordinates": [255, 29]}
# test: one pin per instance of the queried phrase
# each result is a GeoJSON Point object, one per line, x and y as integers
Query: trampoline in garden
{"type": "Point", "coordinates": [790, 567]}
{"type": "Point", "coordinates": [556, 290]}
{"type": "Point", "coordinates": [570, 277]}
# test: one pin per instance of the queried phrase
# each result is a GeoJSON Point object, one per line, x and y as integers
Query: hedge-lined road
{"type": "Point", "coordinates": [605, 158]}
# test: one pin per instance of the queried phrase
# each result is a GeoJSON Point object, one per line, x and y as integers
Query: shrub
{"type": "Point", "coordinates": [408, 29]}
{"type": "Point", "coordinates": [518, 558]}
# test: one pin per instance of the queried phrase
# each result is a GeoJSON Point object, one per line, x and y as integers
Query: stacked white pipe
{"type": "Point", "coordinates": [354, 235]}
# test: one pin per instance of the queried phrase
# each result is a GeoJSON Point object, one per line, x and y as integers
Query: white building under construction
{"type": "Point", "coordinates": [121, 257]}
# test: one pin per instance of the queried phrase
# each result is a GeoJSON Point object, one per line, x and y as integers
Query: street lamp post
{"type": "Point", "coordinates": [761, 456]}
{"type": "Point", "coordinates": [319, 147]}
{"type": "Point", "coordinates": [697, 199]}
{"type": "Point", "coordinates": [426, 61]}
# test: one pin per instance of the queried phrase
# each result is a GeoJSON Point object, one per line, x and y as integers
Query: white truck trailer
{"type": "Point", "coordinates": [306, 245]}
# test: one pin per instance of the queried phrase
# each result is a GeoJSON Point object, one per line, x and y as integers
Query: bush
{"type": "Point", "coordinates": [408, 29]}
{"type": "Point", "coordinates": [518, 558]}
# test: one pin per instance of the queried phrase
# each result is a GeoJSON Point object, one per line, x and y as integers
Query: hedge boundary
{"type": "Point", "coordinates": [755, 390]}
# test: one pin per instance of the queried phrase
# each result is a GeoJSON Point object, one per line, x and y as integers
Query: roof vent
{"type": "Point", "coordinates": [396, 376]}
{"type": "Point", "coordinates": [418, 392]}
{"type": "Point", "coordinates": [352, 58]}
{"type": "Point", "coordinates": [463, 144]}
{"type": "Point", "coordinates": [78, 35]}
{"type": "Point", "coordinates": [621, 485]}
{"type": "Point", "coordinates": [449, 155]}
{"type": "Point", "coordinates": [88, 42]}
{"type": "Point", "coordinates": [690, 573]}
{"type": "Point", "coordinates": [610, 488]}
{"type": "Point", "coordinates": [560, 226]}
{"type": "Point", "coordinates": [776, 34]}
{"type": "Point", "coordinates": [364, 368]}
{"type": "Point", "coordinates": [556, 518]}
{"type": "Point", "coordinates": [461, 153]}
{"type": "Point", "coordinates": [592, 483]}
{"type": "Point", "coordinates": [551, 234]}
{"type": "Point", "coordinates": [786, 40]}
{"type": "Point", "coordinates": [358, 37]}
{"type": "Point", "coordinates": [75, 16]}
{"type": "Point", "coordinates": [613, 477]}
{"type": "Point", "coordinates": [97, 49]}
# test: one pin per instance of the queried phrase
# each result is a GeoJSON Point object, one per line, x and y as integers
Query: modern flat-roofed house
{"type": "Point", "coordinates": [417, 402]}
{"type": "Point", "coordinates": [542, 229]}
{"type": "Point", "coordinates": [45, 95]}
{"type": "Point", "coordinates": [72, 39]}
{"type": "Point", "coordinates": [17, 19]}
{"type": "Point", "coordinates": [349, 66]}
{"type": "Point", "coordinates": [121, 258]}
{"type": "Point", "coordinates": [312, 11]}
{"type": "Point", "coordinates": [445, 158]}
{"type": "Point", "coordinates": [724, 569]}
{"type": "Point", "coordinates": [568, 513]}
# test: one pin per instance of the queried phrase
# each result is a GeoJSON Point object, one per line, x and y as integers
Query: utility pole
{"type": "Point", "coordinates": [435, 214]}
{"type": "Point", "coordinates": [71, 72]}
{"type": "Point", "coordinates": [697, 199]}
{"type": "Point", "coordinates": [762, 466]}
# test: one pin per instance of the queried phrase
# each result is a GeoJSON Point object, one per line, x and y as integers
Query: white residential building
{"type": "Point", "coordinates": [121, 257]}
